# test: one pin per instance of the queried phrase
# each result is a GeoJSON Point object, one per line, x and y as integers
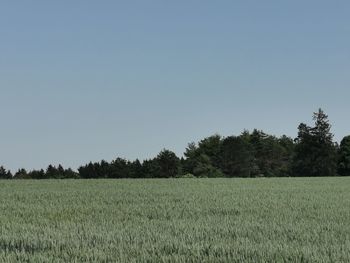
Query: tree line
{"type": "Point", "coordinates": [250, 154]}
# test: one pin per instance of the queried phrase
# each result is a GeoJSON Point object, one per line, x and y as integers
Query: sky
{"type": "Point", "coordinates": [89, 80]}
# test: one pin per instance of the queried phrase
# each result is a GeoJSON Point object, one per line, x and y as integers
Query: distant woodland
{"type": "Point", "coordinates": [250, 154]}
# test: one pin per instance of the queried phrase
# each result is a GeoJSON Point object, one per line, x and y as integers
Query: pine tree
{"type": "Point", "coordinates": [169, 164]}
{"type": "Point", "coordinates": [315, 152]}
{"type": "Point", "coordinates": [344, 157]}
{"type": "Point", "coordinates": [237, 157]}
{"type": "Point", "coordinates": [4, 174]}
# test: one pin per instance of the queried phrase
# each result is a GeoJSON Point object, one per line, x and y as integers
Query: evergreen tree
{"type": "Point", "coordinates": [119, 168]}
{"type": "Point", "coordinates": [136, 170]}
{"type": "Point", "coordinates": [60, 172]}
{"type": "Point", "coordinates": [37, 174]}
{"type": "Point", "coordinates": [198, 163]}
{"type": "Point", "coordinates": [286, 156]}
{"type": "Point", "coordinates": [237, 157]}
{"type": "Point", "coordinates": [191, 158]}
{"type": "Point", "coordinates": [89, 171]}
{"type": "Point", "coordinates": [4, 174]}
{"type": "Point", "coordinates": [315, 152]}
{"type": "Point", "coordinates": [52, 172]}
{"type": "Point", "coordinates": [203, 167]}
{"type": "Point", "coordinates": [344, 157]}
{"type": "Point", "coordinates": [21, 174]}
{"type": "Point", "coordinates": [169, 164]}
{"type": "Point", "coordinates": [211, 147]}
{"type": "Point", "coordinates": [150, 168]}
{"type": "Point", "coordinates": [261, 151]}
{"type": "Point", "coordinates": [70, 174]}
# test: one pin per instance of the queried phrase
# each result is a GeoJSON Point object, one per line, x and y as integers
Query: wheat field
{"type": "Point", "coordinates": [176, 220]}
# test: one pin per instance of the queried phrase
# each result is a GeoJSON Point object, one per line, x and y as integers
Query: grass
{"type": "Point", "coordinates": [179, 220]}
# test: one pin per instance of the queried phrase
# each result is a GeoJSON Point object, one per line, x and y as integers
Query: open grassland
{"type": "Point", "coordinates": [176, 220]}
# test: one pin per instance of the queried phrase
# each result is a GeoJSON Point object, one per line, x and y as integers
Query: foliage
{"type": "Point", "coordinates": [204, 168]}
{"type": "Point", "coordinates": [344, 157]}
{"type": "Point", "coordinates": [315, 151]}
{"type": "Point", "coordinates": [272, 154]}
{"type": "Point", "coordinates": [21, 174]}
{"type": "Point", "coordinates": [250, 154]}
{"type": "Point", "coordinates": [4, 174]}
{"type": "Point", "coordinates": [237, 157]}
{"type": "Point", "coordinates": [168, 163]}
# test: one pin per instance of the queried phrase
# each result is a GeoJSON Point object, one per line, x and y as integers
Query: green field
{"type": "Point", "coordinates": [176, 220]}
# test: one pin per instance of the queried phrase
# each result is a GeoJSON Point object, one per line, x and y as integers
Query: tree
{"type": "Point", "coordinates": [150, 168]}
{"type": "Point", "coordinates": [70, 174]}
{"type": "Point", "coordinates": [60, 172]}
{"type": "Point", "coordinates": [136, 170]}
{"type": "Point", "coordinates": [204, 168]}
{"type": "Point", "coordinates": [103, 169]}
{"type": "Point", "coordinates": [261, 150]}
{"type": "Point", "coordinates": [52, 172]}
{"type": "Point", "coordinates": [37, 174]}
{"type": "Point", "coordinates": [286, 156]}
{"type": "Point", "coordinates": [21, 174]}
{"type": "Point", "coordinates": [237, 157]}
{"type": "Point", "coordinates": [344, 157]}
{"type": "Point", "coordinates": [211, 147]}
{"type": "Point", "coordinates": [198, 163]}
{"type": "Point", "coordinates": [119, 168]}
{"type": "Point", "coordinates": [272, 154]}
{"type": "Point", "coordinates": [191, 158]}
{"type": "Point", "coordinates": [315, 151]}
{"type": "Point", "coordinates": [169, 164]}
{"type": "Point", "coordinates": [89, 170]}
{"type": "Point", "coordinates": [4, 174]}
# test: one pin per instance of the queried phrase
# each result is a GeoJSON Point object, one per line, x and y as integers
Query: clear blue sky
{"type": "Point", "coordinates": [91, 80]}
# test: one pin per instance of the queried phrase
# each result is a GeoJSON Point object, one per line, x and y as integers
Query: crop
{"type": "Point", "coordinates": [176, 220]}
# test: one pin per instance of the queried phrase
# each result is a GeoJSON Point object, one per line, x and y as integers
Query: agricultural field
{"type": "Point", "coordinates": [176, 220]}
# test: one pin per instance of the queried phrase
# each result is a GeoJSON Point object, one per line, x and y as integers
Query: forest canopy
{"type": "Point", "coordinates": [250, 154]}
